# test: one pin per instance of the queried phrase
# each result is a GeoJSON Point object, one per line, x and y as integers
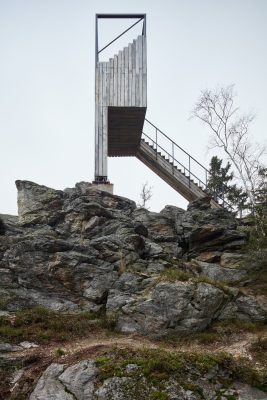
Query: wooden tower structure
{"type": "Point", "coordinates": [120, 98]}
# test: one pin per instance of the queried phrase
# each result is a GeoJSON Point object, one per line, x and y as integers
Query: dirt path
{"type": "Point", "coordinates": [237, 346]}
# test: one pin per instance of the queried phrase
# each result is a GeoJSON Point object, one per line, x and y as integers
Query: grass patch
{"type": "Point", "coordinates": [174, 274]}
{"type": "Point", "coordinates": [218, 332]}
{"type": "Point", "coordinates": [158, 366]}
{"type": "Point", "coordinates": [205, 337]}
{"type": "Point", "coordinates": [159, 396]}
{"type": "Point", "coordinates": [43, 325]}
{"type": "Point", "coordinates": [155, 365]}
{"type": "Point", "coordinates": [59, 352]}
{"type": "Point", "coordinates": [230, 327]}
{"type": "Point", "coordinates": [221, 331]}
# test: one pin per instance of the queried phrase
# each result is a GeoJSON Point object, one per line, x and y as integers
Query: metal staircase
{"type": "Point", "coordinates": [187, 176]}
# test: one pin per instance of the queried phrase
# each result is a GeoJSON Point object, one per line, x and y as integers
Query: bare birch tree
{"type": "Point", "coordinates": [230, 133]}
{"type": "Point", "coordinates": [145, 195]}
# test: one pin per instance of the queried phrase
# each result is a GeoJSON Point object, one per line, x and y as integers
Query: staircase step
{"type": "Point", "coordinates": [162, 156]}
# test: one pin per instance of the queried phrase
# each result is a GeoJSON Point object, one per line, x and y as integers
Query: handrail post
{"type": "Point", "coordinates": [189, 165]}
{"type": "Point", "coordinates": [156, 143]}
{"type": "Point", "coordinates": [172, 158]}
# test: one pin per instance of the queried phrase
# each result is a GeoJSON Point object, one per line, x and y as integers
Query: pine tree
{"type": "Point", "coordinates": [219, 178]}
{"type": "Point", "coordinates": [221, 188]}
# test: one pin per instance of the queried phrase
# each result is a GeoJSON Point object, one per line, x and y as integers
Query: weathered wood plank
{"type": "Point", "coordinates": [130, 68]}
{"type": "Point", "coordinates": [104, 118]}
{"type": "Point", "coordinates": [133, 73]}
{"type": "Point", "coordinates": [137, 79]}
{"type": "Point", "coordinates": [140, 57]}
{"type": "Point", "coordinates": [111, 81]}
{"type": "Point", "coordinates": [104, 81]}
{"type": "Point", "coordinates": [122, 78]}
{"type": "Point", "coordinates": [115, 102]}
{"type": "Point", "coordinates": [119, 77]}
{"type": "Point", "coordinates": [144, 89]}
{"type": "Point", "coordinates": [100, 84]}
{"type": "Point", "coordinates": [100, 131]}
{"type": "Point", "coordinates": [126, 77]}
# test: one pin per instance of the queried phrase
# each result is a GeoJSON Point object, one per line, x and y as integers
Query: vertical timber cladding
{"type": "Point", "coordinates": [121, 101]}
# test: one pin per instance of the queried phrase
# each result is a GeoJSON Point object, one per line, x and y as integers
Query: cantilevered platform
{"type": "Point", "coordinates": [125, 125]}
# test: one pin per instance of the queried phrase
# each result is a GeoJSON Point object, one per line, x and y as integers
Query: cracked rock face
{"type": "Point", "coordinates": [83, 249]}
{"type": "Point", "coordinates": [172, 308]}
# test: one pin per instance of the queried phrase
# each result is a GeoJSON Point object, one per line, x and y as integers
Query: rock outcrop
{"type": "Point", "coordinates": [84, 249]}
{"type": "Point", "coordinates": [85, 381]}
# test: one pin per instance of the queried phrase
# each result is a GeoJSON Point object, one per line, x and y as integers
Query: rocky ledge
{"type": "Point", "coordinates": [156, 274]}
{"type": "Point", "coordinates": [145, 375]}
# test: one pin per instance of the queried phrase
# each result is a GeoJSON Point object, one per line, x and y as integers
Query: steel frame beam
{"type": "Point", "coordinates": [116, 16]}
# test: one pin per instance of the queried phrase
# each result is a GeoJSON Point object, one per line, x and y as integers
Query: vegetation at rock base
{"type": "Point", "coordinates": [175, 274]}
{"type": "Point", "coordinates": [259, 350]}
{"type": "Point", "coordinates": [59, 352]}
{"type": "Point", "coordinates": [158, 366]}
{"type": "Point", "coordinates": [43, 325]}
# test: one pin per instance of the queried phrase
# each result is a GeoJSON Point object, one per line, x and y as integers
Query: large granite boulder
{"type": "Point", "coordinates": [168, 309]}
{"type": "Point", "coordinates": [85, 249]}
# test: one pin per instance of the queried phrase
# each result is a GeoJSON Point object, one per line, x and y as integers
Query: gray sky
{"type": "Point", "coordinates": [47, 84]}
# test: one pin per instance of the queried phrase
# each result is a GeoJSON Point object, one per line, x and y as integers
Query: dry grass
{"type": "Point", "coordinates": [42, 326]}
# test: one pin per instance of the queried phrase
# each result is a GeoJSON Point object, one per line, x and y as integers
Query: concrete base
{"type": "Point", "coordinates": [105, 187]}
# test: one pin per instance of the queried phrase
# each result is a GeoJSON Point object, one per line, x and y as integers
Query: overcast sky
{"type": "Point", "coordinates": [47, 84]}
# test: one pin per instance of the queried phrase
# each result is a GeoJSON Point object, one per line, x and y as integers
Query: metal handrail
{"type": "Point", "coordinates": [175, 144]}
{"type": "Point", "coordinates": [178, 162]}
{"type": "Point", "coordinates": [203, 185]}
